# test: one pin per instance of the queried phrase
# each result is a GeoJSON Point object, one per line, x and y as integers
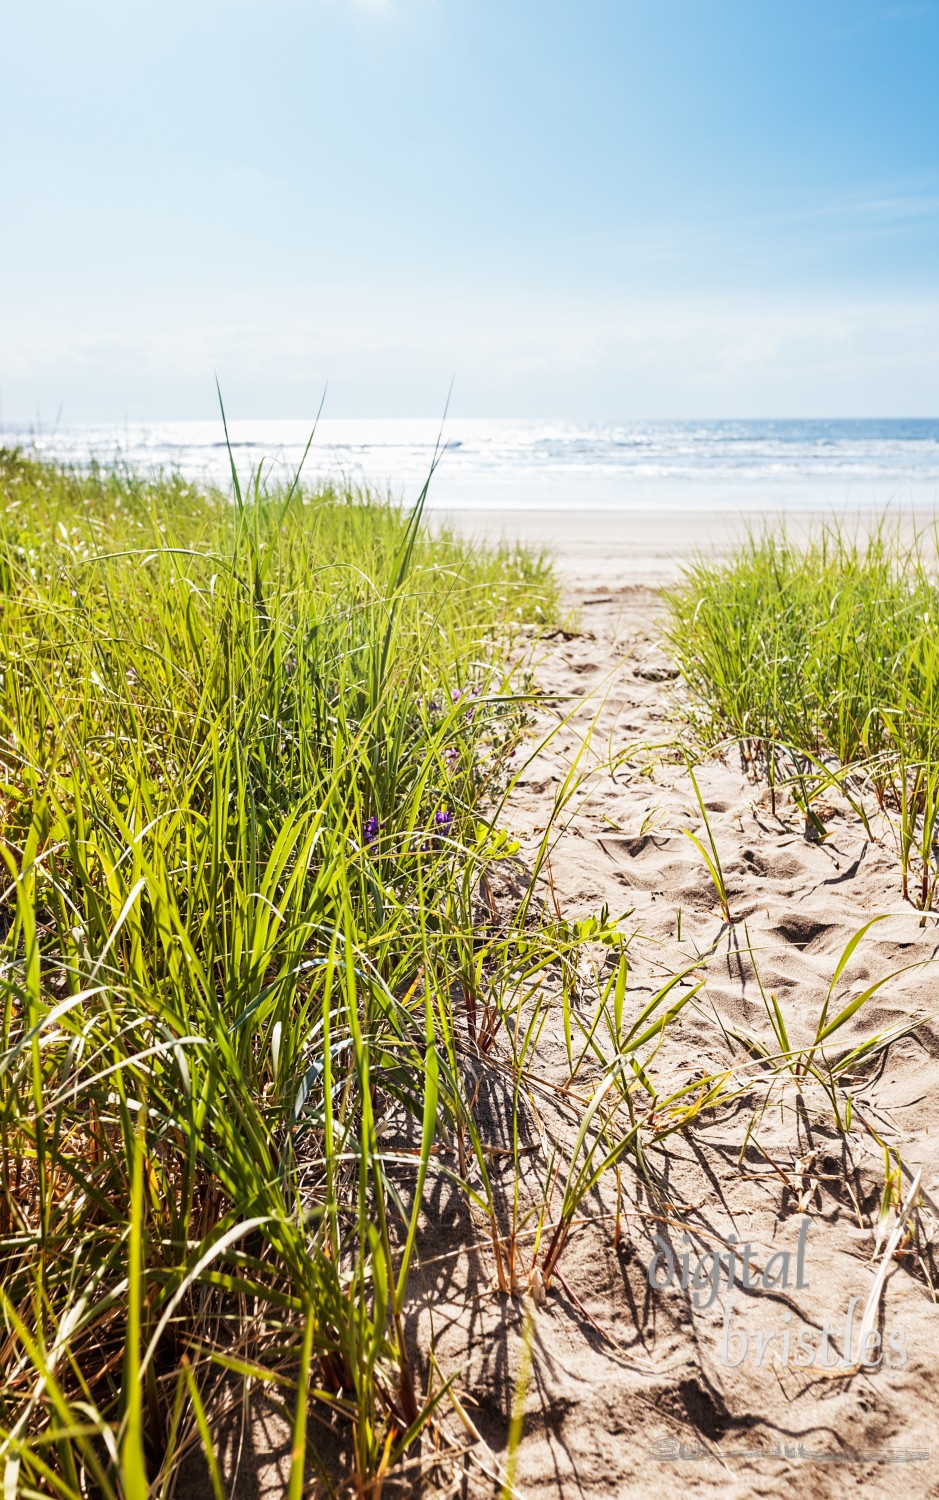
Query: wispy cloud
{"type": "Point", "coordinates": [888, 205]}
{"type": "Point", "coordinates": [909, 10]}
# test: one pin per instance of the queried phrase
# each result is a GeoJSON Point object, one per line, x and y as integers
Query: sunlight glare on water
{"type": "Point", "coordinates": [559, 465]}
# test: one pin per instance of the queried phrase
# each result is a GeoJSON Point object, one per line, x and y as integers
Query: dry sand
{"type": "Point", "coordinates": [623, 1375]}
{"type": "Point", "coordinates": [621, 1381]}
{"type": "Point", "coordinates": [593, 547]}
{"type": "Point", "coordinates": [596, 550]}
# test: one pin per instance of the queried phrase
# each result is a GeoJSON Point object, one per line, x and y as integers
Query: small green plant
{"type": "Point", "coordinates": [811, 1062]}
{"type": "Point", "coordinates": [710, 855]}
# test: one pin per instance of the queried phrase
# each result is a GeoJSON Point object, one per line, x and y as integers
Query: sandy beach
{"type": "Point", "coordinates": [593, 549]}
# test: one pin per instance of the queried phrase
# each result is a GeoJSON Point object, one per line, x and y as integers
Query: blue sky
{"type": "Point", "coordinates": [577, 208]}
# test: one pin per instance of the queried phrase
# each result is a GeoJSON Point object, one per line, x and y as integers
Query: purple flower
{"type": "Point", "coordinates": [370, 830]}
{"type": "Point", "coordinates": [458, 693]}
{"type": "Point", "coordinates": [440, 826]}
{"type": "Point", "coordinates": [452, 757]}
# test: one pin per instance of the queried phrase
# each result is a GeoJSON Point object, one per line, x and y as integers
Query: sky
{"type": "Point", "coordinates": [584, 209]}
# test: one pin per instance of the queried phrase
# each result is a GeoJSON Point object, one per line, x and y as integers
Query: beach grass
{"type": "Point", "coordinates": [819, 658]}
{"type": "Point", "coordinates": [251, 751]}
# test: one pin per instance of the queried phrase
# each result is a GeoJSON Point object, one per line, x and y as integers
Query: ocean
{"type": "Point", "coordinates": [496, 465]}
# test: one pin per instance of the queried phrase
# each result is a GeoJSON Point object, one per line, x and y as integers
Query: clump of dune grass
{"type": "Point", "coordinates": [820, 658]}
{"type": "Point", "coordinates": [248, 747]}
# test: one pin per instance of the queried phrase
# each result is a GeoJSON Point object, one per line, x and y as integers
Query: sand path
{"type": "Point", "coordinates": [612, 1395]}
